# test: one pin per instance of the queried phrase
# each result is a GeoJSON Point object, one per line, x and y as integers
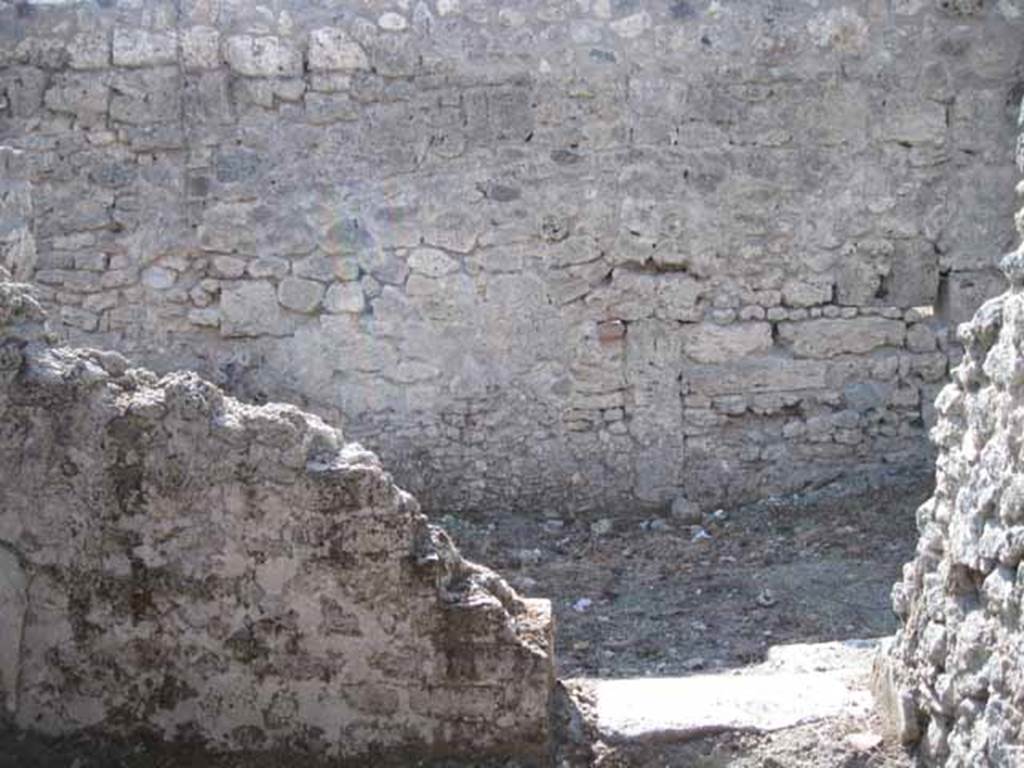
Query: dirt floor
{"type": "Point", "coordinates": [649, 596]}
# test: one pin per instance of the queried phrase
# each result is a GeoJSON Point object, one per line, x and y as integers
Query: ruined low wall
{"type": "Point", "coordinates": [541, 255]}
{"type": "Point", "coordinates": [954, 678]}
{"type": "Point", "coordinates": [174, 561]}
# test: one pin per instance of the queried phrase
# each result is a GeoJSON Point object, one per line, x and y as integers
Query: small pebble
{"type": "Point", "coordinates": [582, 605]}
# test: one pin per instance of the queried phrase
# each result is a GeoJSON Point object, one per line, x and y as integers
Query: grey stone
{"type": "Point", "coordinates": [268, 266]}
{"type": "Point", "coordinates": [78, 317]}
{"type": "Point", "coordinates": [299, 295]}
{"type": "Point", "coordinates": [327, 268]}
{"type": "Point", "coordinates": [200, 47]}
{"type": "Point", "coordinates": [141, 48]}
{"type": "Point", "coordinates": [146, 96]}
{"type": "Point", "coordinates": [345, 297]}
{"type": "Point", "coordinates": [802, 293]}
{"type": "Point", "coordinates": [250, 309]}
{"type": "Point", "coordinates": [686, 512]}
{"type": "Point", "coordinates": [207, 317]}
{"type": "Point", "coordinates": [85, 95]}
{"type": "Point", "coordinates": [262, 56]}
{"type": "Point", "coordinates": [331, 48]}
{"type": "Point", "coordinates": [631, 26]}
{"type": "Point", "coordinates": [711, 343]}
{"type": "Point", "coordinates": [915, 121]}
{"type": "Point", "coordinates": [921, 338]}
{"type": "Point", "coordinates": [830, 338]}
{"type": "Point", "coordinates": [326, 108]}
{"type": "Point", "coordinates": [392, 22]}
{"type": "Point", "coordinates": [764, 375]}
{"type": "Point", "coordinates": [89, 50]}
{"type": "Point", "coordinates": [432, 262]}
{"type": "Point", "coordinates": [158, 278]}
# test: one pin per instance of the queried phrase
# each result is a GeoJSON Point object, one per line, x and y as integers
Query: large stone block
{"type": "Point", "coordinates": [965, 292]}
{"type": "Point", "coordinates": [976, 241]}
{"type": "Point", "coordinates": [325, 108]}
{"type": "Point", "coordinates": [142, 48]}
{"type": "Point", "coordinates": [89, 50]}
{"type": "Point", "coordinates": [432, 262]}
{"type": "Point", "coordinates": [833, 337]}
{"type": "Point", "coordinates": [914, 121]}
{"type": "Point", "coordinates": [300, 295]}
{"type": "Point", "coordinates": [331, 49]}
{"type": "Point", "coordinates": [250, 309]}
{"type": "Point", "coordinates": [85, 95]}
{"type": "Point", "coordinates": [23, 89]}
{"type": "Point", "coordinates": [914, 277]}
{"type": "Point", "coordinates": [229, 226]}
{"type": "Point", "coordinates": [345, 297]}
{"type": "Point", "coordinates": [262, 56]}
{"type": "Point", "coordinates": [711, 343]}
{"type": "Point", "coordinates": [770, 374]}
{"type": "Point", "coordinates": [200, 48]}
{"type": "Point", "coordinates": [146, 96]}
{"type": "Point", "coordinates": [806, 293]}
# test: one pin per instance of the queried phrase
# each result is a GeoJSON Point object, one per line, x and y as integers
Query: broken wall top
{"type": "Point", "coordinates": [176, 561]}
{"type": "Point", "coordinates": [953, 680]}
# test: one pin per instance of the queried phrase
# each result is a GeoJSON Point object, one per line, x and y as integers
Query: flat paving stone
{"type": "Point", "coordinates": [795, 686]}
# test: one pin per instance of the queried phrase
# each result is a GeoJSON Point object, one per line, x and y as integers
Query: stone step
{"type": "Point", "coordinates": [797, 685]}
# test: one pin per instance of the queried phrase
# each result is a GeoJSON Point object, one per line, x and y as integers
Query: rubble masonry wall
{"type": "Point", "coordinates": [564, 256]}
{"type": "Point", "coordinates": [953, 679]}
{"type": "Point", "coordinates": [180, 563]}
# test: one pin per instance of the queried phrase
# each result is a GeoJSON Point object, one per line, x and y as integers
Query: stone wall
{"type": "Point", "coordinates": [175, 561]}
{"type": "Point", "coordinates": [954, 679]}
{"type": "Point", "coordinates": [562, 255]}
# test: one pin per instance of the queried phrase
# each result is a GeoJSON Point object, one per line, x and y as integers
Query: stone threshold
{"type": "Point", "coordinates": [797, 684]}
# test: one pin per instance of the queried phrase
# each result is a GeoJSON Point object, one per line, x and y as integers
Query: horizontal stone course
{"type": "Point", "coordinates": [773, 374]}
{"type": "Point", "coordinates": [830, 338]}
{"type": "Point", "coordinates": [712, 343]}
